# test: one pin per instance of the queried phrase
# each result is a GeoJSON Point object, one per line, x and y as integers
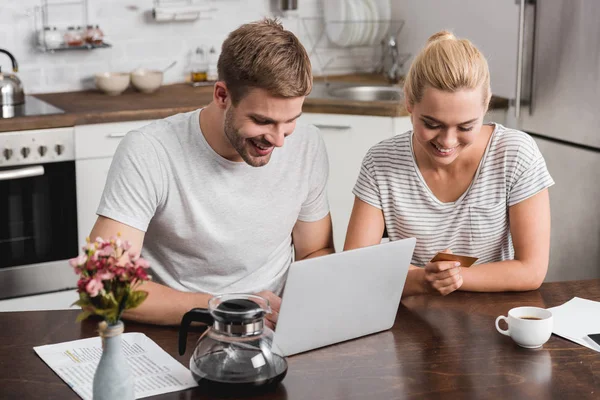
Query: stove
{"type": "Point", "coordinates": [32, 107]}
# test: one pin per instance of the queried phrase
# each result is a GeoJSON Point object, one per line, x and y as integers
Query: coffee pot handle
{"type": "Point", "coordinates": [194, 315]}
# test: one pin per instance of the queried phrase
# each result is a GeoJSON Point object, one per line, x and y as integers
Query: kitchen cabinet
{"type": "Point", "coordinates": [95, 146]}
{"type": "Point", "coordinates": [347, 139]}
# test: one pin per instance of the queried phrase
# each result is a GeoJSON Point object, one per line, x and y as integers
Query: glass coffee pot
{"type": "Point", "coordinates": [236, 352]}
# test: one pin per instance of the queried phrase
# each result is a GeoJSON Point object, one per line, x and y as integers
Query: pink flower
{"type": "Point", "coordinates": [106, 251]}
{"type": "Point", "coordinates": [105, 275]}
{"type": "Point", "coordinates": [140, 262]}
{"type": "Point", "coordinates": [78, 261]}
{"type": "Point", "coordinates": [81, 284]}
{"type": "Point", "coordinates": [126, 245]}
{"type": "Point", "coordinates": [140, 274]}
{"type": "Point", "coordinates": [93, 287]}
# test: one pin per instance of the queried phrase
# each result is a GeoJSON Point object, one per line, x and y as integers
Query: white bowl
{"type": "Point", "coordinates": [146, 80]}
{"type": "Point", "coordinates": [112, 83]}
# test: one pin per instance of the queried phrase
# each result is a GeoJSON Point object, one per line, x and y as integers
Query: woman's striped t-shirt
{"type": "Point", "coordinates": [511, 170]}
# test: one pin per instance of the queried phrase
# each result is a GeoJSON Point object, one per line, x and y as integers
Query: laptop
{"type": "Point", "coordinates": [342, 296]}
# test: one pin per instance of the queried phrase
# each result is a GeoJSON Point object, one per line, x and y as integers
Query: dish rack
{"type": "Point", "coordinates": [42, 20]}
{"type": "Point", "coordinates": [358, 54]}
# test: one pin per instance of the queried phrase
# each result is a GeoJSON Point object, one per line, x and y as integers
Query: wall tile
{"type": "Point", "coordinates": [137, 40]}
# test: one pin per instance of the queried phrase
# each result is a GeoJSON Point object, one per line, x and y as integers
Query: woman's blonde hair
{"type": "Point", "coordinates": [264, 55]}
{"type": "Point", "coordinates": [449, 64]}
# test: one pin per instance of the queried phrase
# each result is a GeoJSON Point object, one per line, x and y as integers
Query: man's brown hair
{"type": "Point", "coordinates": [264, 55]}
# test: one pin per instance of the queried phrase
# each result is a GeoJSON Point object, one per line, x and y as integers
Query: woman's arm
{"type": "Point", "coordinates": [530, 230]}
{"type": "Point", "coordinates": [366, 227]}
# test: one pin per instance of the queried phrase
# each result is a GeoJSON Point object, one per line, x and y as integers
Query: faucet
{"type": "Point", "coordinates": [391, 63]}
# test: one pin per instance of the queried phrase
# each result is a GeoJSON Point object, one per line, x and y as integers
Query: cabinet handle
{"type": "Point", "coordinates": [28, 172]}
{"type": "Point", "coordinates": [116, 135]}
{"type": "Point", "coordinates": [334, 127]}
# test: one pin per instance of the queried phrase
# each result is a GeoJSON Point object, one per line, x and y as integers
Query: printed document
{"type": "Point", "coordinates": [154, 370]}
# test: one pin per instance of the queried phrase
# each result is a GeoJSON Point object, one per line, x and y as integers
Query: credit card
{"type": "Point", "coordinates": [465, 261]}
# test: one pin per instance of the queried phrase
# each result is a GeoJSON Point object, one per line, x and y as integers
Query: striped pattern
{"type": "Point", "coordinates": [511, 170]}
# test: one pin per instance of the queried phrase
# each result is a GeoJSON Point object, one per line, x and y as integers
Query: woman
{"type": "Point", "coordinates": [456, 184]}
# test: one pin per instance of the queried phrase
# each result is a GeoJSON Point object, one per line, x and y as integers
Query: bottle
{"type": "Point", "coordinates": [73, 37]}
{"type": "Point", "coordinates": [212, 73]}
{"type": "Point", "coordinates": [88, 34]}
{"type": "Point", "coordinates": [97, 37]}
{"type": "Point", "coordinates": [198, 67]}
{"type": "Point", "coordinates": [53, 38]}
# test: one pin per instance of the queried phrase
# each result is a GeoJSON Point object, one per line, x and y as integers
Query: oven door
{"type": "Point", "coordinates": [38, 228]}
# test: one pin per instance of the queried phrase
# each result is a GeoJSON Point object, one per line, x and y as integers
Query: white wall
{"type": "Point", "coordinates": [492, 25]}
{"type": "Point", "coordinates": [137, 40]}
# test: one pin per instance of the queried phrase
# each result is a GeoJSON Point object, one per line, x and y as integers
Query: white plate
{"type": "Point", "coordinates": [384, 8]}
{"type": "Point", "coordinates": [356, 30]}
{"type": "Point", "coordinates": [335, 12]}
{"type": "Point", "coordinates": [373, 37]}
{"type": "Point", "coordinates": [365, 16]}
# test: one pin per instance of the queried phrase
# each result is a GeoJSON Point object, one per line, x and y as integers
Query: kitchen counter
{"type": "Point", "coordinates": [93, 106]}
{"type": "Point", "coordinates": [438, 347]}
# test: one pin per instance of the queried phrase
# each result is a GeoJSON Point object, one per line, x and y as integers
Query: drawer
{"type": "Point", "coordinates": [101, 140]}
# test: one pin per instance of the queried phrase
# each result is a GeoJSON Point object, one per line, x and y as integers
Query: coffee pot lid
{"type": "Point", "coordinates": [238, 309]}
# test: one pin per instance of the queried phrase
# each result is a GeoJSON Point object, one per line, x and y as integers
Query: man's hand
{"type": "Point", "coordinates": [275, 303]}
{"type": "Point", "coordinates": [443, 277]}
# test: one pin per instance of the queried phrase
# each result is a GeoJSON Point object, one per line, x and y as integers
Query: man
{"type": "Point", "coordinates": [213, 196]}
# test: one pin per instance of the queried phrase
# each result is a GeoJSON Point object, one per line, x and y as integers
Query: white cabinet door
{"type": "Point", "coordinates": [91, 177]}
{"type": "Point", "coordinates": [347, 138]}
{"type": "Point", "coordinates": [101, 140]}
{"type": "Point", "coordinates": [95, 146]}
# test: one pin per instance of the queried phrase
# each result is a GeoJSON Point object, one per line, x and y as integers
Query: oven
{"type": "Point", "coordinates": [38, 212]}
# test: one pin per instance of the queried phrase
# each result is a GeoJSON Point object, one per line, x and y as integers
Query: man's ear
{"type": "Point", "coordinates": [220, 94]}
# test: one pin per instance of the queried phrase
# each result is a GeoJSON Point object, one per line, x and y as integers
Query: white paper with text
{"type": "Point", "coordinates": [155, 371]}
{"type": "Point", "coordinates": [577, 318]}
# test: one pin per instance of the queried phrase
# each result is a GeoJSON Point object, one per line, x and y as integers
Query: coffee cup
{"type": "Point", "coordinates": [529, 327]}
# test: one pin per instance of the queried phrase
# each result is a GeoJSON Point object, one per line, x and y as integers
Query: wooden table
{"type": "Point", "coordinates": [438, 348]}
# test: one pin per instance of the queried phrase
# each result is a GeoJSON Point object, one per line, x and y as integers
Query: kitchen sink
{"type": "Point", "coordinates": [354, 92]}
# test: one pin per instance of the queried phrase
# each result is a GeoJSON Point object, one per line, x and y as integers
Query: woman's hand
{"type": "Point", "coordinates": [443, 277]}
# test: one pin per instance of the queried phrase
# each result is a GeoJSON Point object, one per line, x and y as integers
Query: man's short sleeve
{"type": "Point", "coordinates": [316, 205]}
{"type": "Point", "coordinates": [134, 187]}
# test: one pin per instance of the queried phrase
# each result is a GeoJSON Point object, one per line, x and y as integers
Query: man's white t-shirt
{"type": "Point", "coordinates": [214, 225]}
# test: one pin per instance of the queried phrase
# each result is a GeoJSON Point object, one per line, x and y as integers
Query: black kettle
{"type": "Point", "coordinates": [11, 88]}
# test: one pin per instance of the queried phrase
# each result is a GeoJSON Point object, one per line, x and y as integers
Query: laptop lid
{"type": "Point", "coordinates": [342, 296]}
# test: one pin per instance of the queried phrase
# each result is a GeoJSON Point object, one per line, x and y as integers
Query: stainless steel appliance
{"type": "Point", "coordinates": [558, 82]}
{"type": "Point", "coordinates": [11, 89]}
{"type": "Point", "coordinates": [31, 107]}
{"type": "Point", "coordinates": [38, 211]}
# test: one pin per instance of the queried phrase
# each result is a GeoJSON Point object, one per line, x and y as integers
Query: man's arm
{"type": "Point", "coordinates": [163, 306]}
{"type": "Point", "coordinates": [313, 239]}
{"type": "Point", "coordinates": [530, 230]}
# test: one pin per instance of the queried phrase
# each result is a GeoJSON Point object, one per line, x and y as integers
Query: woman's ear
{"type": "Point", "coordinates": [408, 106]}
{"type": "Point", "coordinates": [220, 94]}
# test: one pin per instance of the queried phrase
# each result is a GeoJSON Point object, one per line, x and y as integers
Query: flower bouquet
{"type": "Point", "coordinates": [109, 278]}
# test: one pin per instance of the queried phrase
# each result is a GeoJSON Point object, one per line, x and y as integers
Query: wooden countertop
{"type": "Point", "coordinates": [93, 106]}
{"type": "Point", "coordinates": [439, 347]}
